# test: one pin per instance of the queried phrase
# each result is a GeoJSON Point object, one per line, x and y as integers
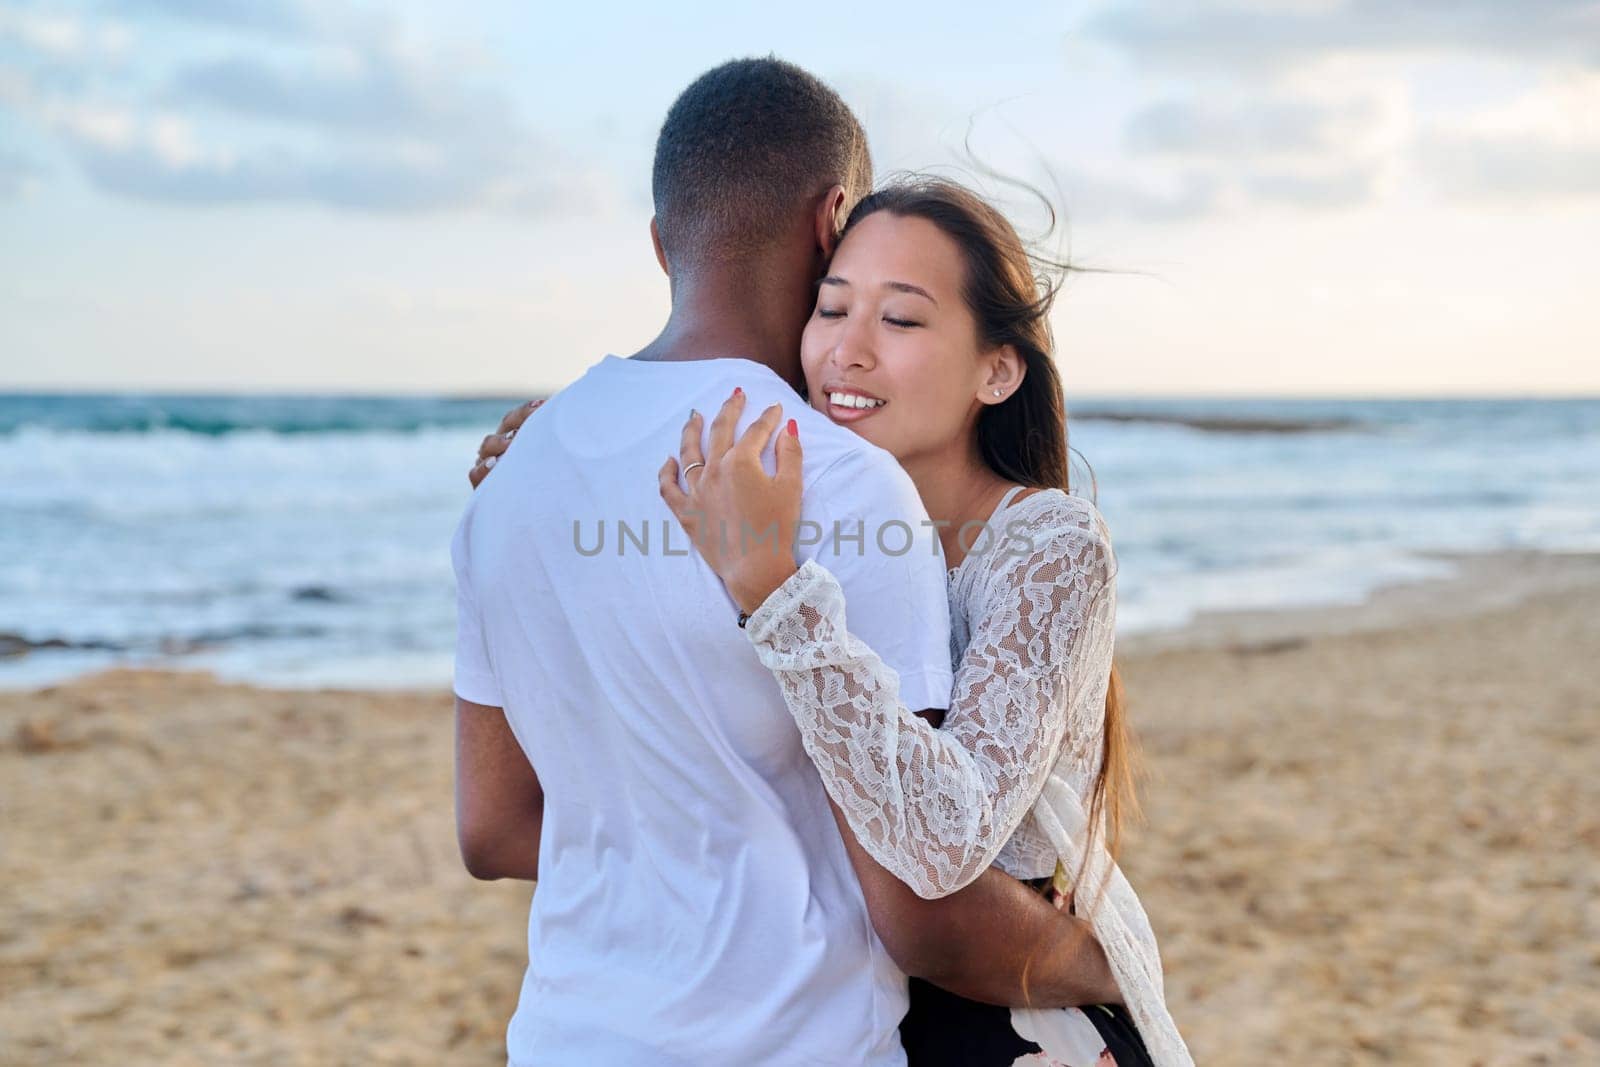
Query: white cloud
{"type": "Point", "coordinates": [63, 37]}
{"type": "Point", "coordinates": [1232, 37]}
{"type": "Point", "coordinates": [107, 128]}
{"type": "Point", "coordinates": [1316, 104]}
{"type": "Point", "coordinates": [160, 158]}
{"type": "Point", "coordinates": [1567, 109]}
{"type": "Point", "coordinates": [173, 141]}
{"type": "Point", "coordinates": [1189, 195]}
{"type": "Point", "coordinates": [341, 110]}
{"type": "Point", "coordinates": [374, 90]}
{"type": "Point", "coordinates": [1543, 144]}
{"type": "Point", "coordinates": [19, 176]}
{"type": "Point", "coordinates": [1519, 167]}
{"type": "Point", "coordinates": [276, 17]}
{"type": "Point", "coordinates": [1322, 150]}
{"type": "Point", "coordinates": [1262, 126]}
{"type": "Point", "coordinates": [1349, 187]}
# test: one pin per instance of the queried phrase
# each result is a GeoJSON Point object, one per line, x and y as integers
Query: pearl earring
{"type": "Point", "coordinates": [997, 392]}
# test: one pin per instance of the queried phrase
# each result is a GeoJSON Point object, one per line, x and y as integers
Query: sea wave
{"type": "Point", "coordinates": [304, 540]}
{"type": "Point", "coordinates": [1224, 423]}
{"type": "Point", "coordinates": [214, 416]}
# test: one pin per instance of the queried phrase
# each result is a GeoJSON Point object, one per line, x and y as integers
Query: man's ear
{"type": "Point", "coordinates": [661, 253]}
{"type": "Point", "coordinates": [830, 220]}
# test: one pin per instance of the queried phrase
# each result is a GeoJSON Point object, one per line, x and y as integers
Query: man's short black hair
{"type": "Point", "coordinates": [742, 148]}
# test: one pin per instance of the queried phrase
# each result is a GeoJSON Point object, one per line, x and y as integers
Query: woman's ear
{"type": "Point", "coordinates": [1007, 368]}
{"type": "Point", "coordinates": [661, 253]}
{"type": "Point", "coordinates": [830, 220]}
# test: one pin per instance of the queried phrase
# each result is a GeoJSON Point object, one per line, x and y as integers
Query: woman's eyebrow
{"type": "Point", "coordinates": [900, 287]}
{"type": "Point", "coordinates": [907, 287]}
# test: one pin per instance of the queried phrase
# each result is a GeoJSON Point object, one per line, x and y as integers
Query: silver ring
{"type": "Point", "coordinates": [692, 466]}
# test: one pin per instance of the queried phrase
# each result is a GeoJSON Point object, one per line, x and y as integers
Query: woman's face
{"type": "Point", "coordinates": [891, 325]}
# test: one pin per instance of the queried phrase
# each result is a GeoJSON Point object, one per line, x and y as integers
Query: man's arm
{"type": "Point", "coordinates": [499, 802]}
{"type": "Point", "coordinates": [995, 941]}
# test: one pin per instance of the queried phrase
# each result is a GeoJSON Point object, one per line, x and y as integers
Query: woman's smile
{"type": "Point", "coordinates": [848, 405]}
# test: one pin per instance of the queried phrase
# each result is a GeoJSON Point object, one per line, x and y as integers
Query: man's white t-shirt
{"type": "Point", "coordinates": [695, 903]}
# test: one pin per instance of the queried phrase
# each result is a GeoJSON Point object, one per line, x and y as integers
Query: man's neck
{"type": "Point", "coordinates": [726, 314]}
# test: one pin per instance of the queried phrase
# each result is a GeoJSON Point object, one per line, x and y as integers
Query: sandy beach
{"type": "Point", "coordinates": [1372, 837]}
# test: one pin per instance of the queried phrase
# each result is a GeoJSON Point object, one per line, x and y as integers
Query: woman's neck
{"type": "Point", "coordinates": [957, 488]}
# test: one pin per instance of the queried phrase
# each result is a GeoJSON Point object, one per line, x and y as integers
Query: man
{"type": "Point", "coordinates": [699, 900]}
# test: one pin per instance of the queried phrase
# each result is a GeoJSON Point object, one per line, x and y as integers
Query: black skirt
{"type": "Point", "coordinates": [944, 1030]}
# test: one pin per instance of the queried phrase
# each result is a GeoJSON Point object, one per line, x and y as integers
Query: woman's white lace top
{"type": "Point", "coordinates": [1006, 780]}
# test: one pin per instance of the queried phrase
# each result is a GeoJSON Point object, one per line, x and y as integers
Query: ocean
{"type": "Point", "coordinates": [303, 541]}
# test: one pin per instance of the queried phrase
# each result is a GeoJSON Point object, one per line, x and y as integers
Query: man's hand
{"type": "Point", "coordinates": [495, 445]}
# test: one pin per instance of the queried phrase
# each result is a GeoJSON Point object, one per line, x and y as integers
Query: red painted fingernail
{"type": "Point", "coordinates": [794, 431]}
{"type": "Point", "coordinates": [737, 390]}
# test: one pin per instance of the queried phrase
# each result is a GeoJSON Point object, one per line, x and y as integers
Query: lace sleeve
{"type": "Point", "coordinates": [934, 807]}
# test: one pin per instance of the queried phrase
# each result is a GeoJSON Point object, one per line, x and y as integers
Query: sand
{"type": "Point", "coordinates": [1373, 836]}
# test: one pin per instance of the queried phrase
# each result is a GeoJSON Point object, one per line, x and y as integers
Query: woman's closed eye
{"type": "Point", "coordinates": [839, 313]}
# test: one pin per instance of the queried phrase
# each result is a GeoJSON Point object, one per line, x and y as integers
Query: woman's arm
{"type": "Point", "coordinates": [934, 807]}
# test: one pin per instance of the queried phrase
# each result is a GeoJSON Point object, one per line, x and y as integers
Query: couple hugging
{"type": "Point", "coordinates": [839, 800]}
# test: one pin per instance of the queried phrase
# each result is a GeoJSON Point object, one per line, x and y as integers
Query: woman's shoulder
{"type": "Point", "coordinates": [1048, 536]}
{"type": "Point", "coordinates": [1050, 548]}
{"type": "Point", "coordinates": [1050, 510]}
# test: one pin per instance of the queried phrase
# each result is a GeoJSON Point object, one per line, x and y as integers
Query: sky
{"type": "Point", "coordinates": [1306, 197]}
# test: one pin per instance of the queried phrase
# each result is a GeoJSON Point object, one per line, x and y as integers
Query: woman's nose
{"type": "Point", "coordinates": [854, 348]}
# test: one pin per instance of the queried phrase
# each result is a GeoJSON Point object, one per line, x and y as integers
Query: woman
{"type": "Point", "coordinates": [930, 338]}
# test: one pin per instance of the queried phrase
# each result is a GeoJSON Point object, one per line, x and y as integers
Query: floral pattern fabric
{"type": "Point", "coordinates": [1005, 780]}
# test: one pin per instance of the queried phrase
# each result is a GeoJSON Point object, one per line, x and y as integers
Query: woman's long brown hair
{"type": "Point", "coordinates": [1024, 437]}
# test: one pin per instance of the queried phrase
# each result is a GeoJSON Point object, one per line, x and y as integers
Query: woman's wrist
{"type": "Point", "coordinates": [759, 579]}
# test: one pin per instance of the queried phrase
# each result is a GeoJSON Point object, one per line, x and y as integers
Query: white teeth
{"type": "Point", "coordinates": [846, 400]}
